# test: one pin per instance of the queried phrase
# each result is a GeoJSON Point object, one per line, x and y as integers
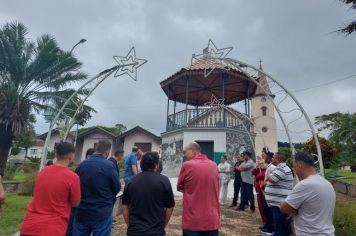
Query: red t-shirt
{"type": "Point", "coordinates": [199, 179]}
{"type": "Point", "coordinates": [48, 213]}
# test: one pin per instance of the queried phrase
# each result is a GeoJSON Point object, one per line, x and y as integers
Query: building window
{"type": "Point", "coordinates": [263, 99]}
{"type": "Point", "coordinates": [145, 147]}
{"type": "Point", "coordinates": [264, 129]}
{"type": "Point", "coordinates": [264, 111]}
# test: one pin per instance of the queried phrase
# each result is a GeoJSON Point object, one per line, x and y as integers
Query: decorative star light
{"type": "Point", "coordinates": [210, 53]}
{"type": "Point", "coordinates": [215, 103]}
{"type": "Point", "coordinates": [129, 64]}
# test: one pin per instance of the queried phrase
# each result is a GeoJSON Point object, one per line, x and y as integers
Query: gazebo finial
{"type": "Point", "coordinates": [210, 53]}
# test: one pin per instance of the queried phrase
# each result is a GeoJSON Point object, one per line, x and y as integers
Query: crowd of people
{"type": "Point", "coordinates": [84, 201]}
{"type": "Point", "coordinates": [310, 202]}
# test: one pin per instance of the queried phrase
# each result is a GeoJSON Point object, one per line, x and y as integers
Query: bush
{"type": "Point", "coordinates": [30, 167]}
{"type": "Point", "coordinates": [345, 218]}
{"type": "Point", "coordinates": [10, 171]}
{"type": "Point", "coordinates": [28, 184]}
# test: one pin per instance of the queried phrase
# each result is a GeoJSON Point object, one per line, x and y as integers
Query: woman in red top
{"type": "Point", "coordinates": [259, 173]}
{"type": "Point", "coordinates": [57, 189]}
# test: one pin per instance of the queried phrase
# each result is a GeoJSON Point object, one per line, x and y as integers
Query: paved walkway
{"type": "Point", "coordinates": [234, 223]}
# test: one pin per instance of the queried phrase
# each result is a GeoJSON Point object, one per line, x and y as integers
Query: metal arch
{"type": "Point", "coordinates": [119, 70]}
{"type": "Point", "coordinates": [268, 97]}
{"type": "Point", "coordinates": [238, 64]}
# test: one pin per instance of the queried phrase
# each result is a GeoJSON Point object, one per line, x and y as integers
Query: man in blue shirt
{"type": "Point", "coordinates": [131, 165]}
{"type": "Point", "coordinates": [99, 185]}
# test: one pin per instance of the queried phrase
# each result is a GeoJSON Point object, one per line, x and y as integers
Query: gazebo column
{"type": "Point", "coordinates": [223, 97]}
{"type": "Point", "coordinates": [186, 99]}
{"type": "Point", "coordinates": [167, 124]}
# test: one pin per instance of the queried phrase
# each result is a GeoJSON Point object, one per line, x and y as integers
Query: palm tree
{"type": "Point", "coordinates": [32, 74]}
{"type": "Point", "coordinates": [351, 26]}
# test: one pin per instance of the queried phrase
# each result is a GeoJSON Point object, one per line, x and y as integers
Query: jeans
{"type": "Point", "coordinates": [71, 222]}
{"type": "Point", "coordinates": [200, 233]}
{"type": "Point", "coordinates": [269, 217]}
{"type": "Point", "coordinates": [237, 186]}
{"type": "Point", "coordinates": [101, 228]}
{"type": "Point", "coordinates": [247, 196]}
{"type": "Point", "coordinates": [281, 222]}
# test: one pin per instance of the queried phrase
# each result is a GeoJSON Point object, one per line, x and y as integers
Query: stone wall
{"type": "Point", "coordinates": [172, 154]}
{"type": "Point", "coordinates": [237, 142]}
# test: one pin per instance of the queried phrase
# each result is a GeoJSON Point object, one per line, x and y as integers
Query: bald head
{"type": "Point", "coordinates": [191, 150]}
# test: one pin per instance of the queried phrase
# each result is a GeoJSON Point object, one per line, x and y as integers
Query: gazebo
{"type": "Point", "coordinates": [218, 130]}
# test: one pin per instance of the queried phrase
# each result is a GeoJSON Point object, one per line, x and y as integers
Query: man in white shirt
{"type": "Point", "coordinates": [224, 178]}
{"type": "Point", "coordinates": [312, 201]}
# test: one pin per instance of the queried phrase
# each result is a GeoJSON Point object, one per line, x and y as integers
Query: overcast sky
{"type": "Point", "coordinates": [295, 40]}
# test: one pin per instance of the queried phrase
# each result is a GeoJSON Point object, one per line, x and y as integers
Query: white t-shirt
{"type": "Point", "coordinates": [225, 177]}
{"type": "Point", "coordinates": [314, 198]}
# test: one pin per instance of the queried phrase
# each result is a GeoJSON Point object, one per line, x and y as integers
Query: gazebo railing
{"type": "Point", "coordinates": [205, 118]}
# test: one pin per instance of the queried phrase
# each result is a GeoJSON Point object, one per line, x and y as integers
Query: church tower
{"type": "Point", "coordinates": [263, 114]}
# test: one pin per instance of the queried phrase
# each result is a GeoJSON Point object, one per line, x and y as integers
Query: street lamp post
{"type": "Point", "coordinates": [80, 41]}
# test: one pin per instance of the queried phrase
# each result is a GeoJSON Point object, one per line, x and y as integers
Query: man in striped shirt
{"type": "Point", "coordinates": [279, 186]}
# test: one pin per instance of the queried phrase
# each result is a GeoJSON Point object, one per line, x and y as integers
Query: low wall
{"type": "Point", "coordinates": [344, 188]}
{"type": "Point", "coordinates": [12, 187]}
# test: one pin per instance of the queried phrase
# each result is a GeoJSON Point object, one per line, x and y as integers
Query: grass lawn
{"type": "Point", "coordinates": [351, 176]}
{"type": "Point", "coordinates": [12, 212]}
{"type": "Point", "coordinates": [345, 216]}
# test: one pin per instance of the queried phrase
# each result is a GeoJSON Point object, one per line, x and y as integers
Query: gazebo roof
{"type": "Point", "coordinates": [201, 88]}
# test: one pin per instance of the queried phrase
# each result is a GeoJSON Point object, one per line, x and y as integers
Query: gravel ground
{"type": "Point", "coordinates": [234, 223]}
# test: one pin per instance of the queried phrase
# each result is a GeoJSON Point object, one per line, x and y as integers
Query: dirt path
{"type": "Point", "coordinates": [234, 223]}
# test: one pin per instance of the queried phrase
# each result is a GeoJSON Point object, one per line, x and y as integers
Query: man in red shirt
{"type": "Point", "coordinates": [199, 182]}
{"type": "Point", "coordinates": [57, 189]}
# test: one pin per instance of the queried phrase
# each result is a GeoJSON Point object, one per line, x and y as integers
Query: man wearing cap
{"type": "Point", "coordinates": [199, 182]}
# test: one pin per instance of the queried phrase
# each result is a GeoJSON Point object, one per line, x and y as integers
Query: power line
{"type": "Point", "coordinates": [324, 84]}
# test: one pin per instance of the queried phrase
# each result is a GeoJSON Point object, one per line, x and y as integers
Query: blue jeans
{"type": "Point", "coordinates": [200, 233]}
{"type": "Point", "coordinates": [71, 222]}
{"type": "Point", "coordinates": [247, 196]}
{"type": "Point", "coordinates": [281, 222]}
{"type": "Point", "coordinates": [101, 228]}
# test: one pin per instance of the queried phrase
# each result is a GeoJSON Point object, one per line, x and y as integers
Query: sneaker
{"type": "Point", "coordinates": [265, 231]}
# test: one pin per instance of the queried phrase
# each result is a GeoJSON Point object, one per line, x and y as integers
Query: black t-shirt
{"type": "Point", "coordinates": [237, 173]}
{"type": "Point", "coordinates": [148, 194]}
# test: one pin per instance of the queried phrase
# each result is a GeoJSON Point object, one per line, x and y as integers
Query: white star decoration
{"type": "Point", "coordinates": [129, 64]}
{"type": "Point", "coordinates": [209, 53]}
{"type": "Point", "coordinates": [215, 103]}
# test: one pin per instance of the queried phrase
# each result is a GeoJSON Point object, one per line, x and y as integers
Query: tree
{"type": "Point", "coordinates": [350, 27]}
{"type": "Point", "coordinates": [26, 138]}
{"type": "Point", "coordinates": [116, 130]}
{"type": "Point", "coordinates": [32, 74]}
{"type": "Point", "coordinates": [328, 150]}
{"type": "Point", "coordinates": [342, 127]}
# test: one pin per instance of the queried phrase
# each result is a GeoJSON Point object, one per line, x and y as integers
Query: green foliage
{"type": "Point", "coordinates": [345, 218]}
{"type": "Point", "coordinates": [12, 213]}
{"type": "Point", "coordinates": [117, 130]}
{"type": "Point", "coordinates": [342, 127]}
{"type": "Point", "coordinates": [10, 171]}
{"type": "Point", "coordinates": [32, 75]}
{"type": "Point", "coordinates": [15, 150]}
{"type": "Point", "coordinates": [351, 26]}
{"type": "Point", "coordinates": [31, 166]}
{"type": "Point", "coordinates": [28, 183]}
{"type": "Point", "coordinates": [328, 150]}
